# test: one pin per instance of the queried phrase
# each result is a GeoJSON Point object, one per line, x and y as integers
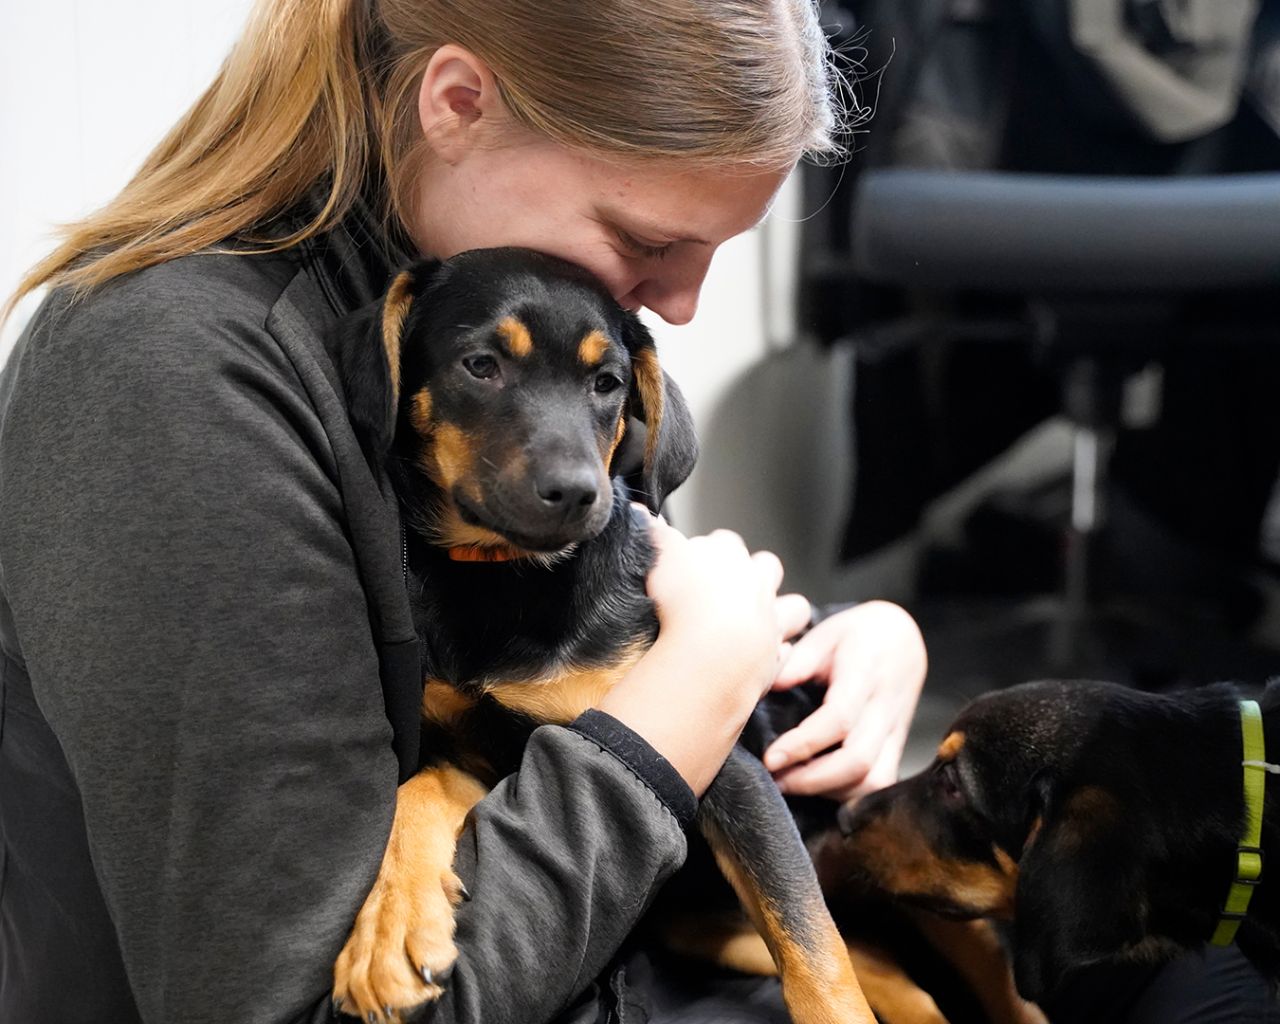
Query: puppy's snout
{"type": "Point", "coordinates": [568, 489]}
{"type": "Point", "coordinates": [856, 813]}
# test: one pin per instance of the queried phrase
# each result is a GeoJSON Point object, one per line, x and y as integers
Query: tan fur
{"type": "Point", "coordinates": [618, 435]}
{"type": "Point", "coordinates": [890, 991]}
{"type": "Point", "coordinates": [592, 348]}
{"type": "Point", "coordinates": [733, 943]}
{"type": "Point", "coordinates": [450, 457]}
{"type": "Point", "coordinates": [818, 985]}
{"type": "Point", "coordinates": [516, 337]}
{"type": "Point", "coordinates": [649, 383]}
{"type": "Point", "coordinates": [950, 747]}
{"type": "Point", "coordinates": [420, 412]}
{"type": "Point", "coordinates": [904, 863]}
{"type": "Point", "coordinates": [724, 939]}
{"type": "Point", "coordinates": [406, 922]}
{"type": "Point", "coordinates": [452, 531]}
{"type": "Point", "coordinates": [394, 311]}
{"type": "Point", "coordinates": [564, 697]}
{"type": "Point", "coordinates": [973, 948]}
{"type": "Point", "coordinates": [442, 703]}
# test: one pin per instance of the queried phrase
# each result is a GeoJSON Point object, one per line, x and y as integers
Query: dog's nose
{"type": "Point", "coordinates": [853, 815]}
{"type": "Point", "coordinates": [568, 490]}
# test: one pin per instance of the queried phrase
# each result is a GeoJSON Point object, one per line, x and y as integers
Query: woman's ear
{"type": "Point", "coordinates": [670, 444]}
{"type": "Point", "coordinates": [458, 100]}
{"type": "Point", "coordinates": [1081, 892]}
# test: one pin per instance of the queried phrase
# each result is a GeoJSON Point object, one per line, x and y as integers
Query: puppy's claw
{"type": "Point", "coordinates": [463, 891]}
{"type": "Point", "coordinates": [337, 1004]}
{"type": "Point", "coordinates": [427, 977]}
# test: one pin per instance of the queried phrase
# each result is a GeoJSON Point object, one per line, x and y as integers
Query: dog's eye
{"type": "Point", "coordinates": [481, 367]}
{"type": "Point", "coordinates": [949, 784]}
{"type": "Point", "coordinates": [606, 382]}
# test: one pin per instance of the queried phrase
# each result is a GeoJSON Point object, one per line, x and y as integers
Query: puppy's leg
{"type": "Point", "coordinates": [401, 947]}
{"type": "Point", "coordinates": [755, 843]}
{"type": "Point", "coordinates": [733, 943]}
{"type": "Point", "coordinates": [974, 950]}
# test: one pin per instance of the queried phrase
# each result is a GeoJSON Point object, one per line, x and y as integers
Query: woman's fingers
{"type": "Point", "coordinates": [841, 770]}
{"type": "Point", "coordinates": [824, 728]}
{"type": "Point", "coordinates": [794, 614]}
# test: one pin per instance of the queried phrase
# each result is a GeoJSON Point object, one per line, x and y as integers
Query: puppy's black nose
{"type": "Point", "coordinates": [568, 490]}
{"type": "Point", "coordinates": [853, 815]}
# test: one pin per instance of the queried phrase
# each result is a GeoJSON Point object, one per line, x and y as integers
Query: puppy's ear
{"type": "Point", "coordinates": [670, 444]}
{"type": "Point", "coordinates": [368, 357]}
{"type": "Point", "coordinates": [1080, 893]}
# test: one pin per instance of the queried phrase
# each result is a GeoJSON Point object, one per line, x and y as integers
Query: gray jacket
{"type": "Point", "coordinates": [204, 628]}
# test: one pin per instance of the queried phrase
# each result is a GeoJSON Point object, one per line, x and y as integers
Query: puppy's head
{"type": "Point", "coordinates": [499, 387]}
{"type": "Point", "coordinates": [1016, 819]}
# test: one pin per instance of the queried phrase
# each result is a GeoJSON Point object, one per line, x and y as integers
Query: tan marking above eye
{"type": "Point", "coordinates": [515, 335]}
{"type": "Point", "coordinates": [592, 348]}
{"type": "Point", "coordinates": [950, 747]}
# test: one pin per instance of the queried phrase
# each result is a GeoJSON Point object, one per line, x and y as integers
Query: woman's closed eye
{"type": "Point", "coordinates": [638, 247]}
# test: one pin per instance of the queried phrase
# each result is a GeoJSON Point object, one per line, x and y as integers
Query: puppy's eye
{"type": "Point", "coordinates": [606, 383]}
{"type": "Point", "coordinates": [481, 367]}
{"type": "Point", "coordinates": [949, 784]}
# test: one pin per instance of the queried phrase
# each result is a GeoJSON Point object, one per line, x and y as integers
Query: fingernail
{"type": "Point", "coordinates": [775, 759]}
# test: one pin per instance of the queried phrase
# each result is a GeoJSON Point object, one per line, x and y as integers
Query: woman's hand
{"type": "Point", "coordinates": [716, 654]}
{"type": "Point", "coordinates": [872, 659]}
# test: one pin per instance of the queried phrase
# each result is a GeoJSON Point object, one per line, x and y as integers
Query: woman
{"type": "Point", "coordinates": [202, 610]}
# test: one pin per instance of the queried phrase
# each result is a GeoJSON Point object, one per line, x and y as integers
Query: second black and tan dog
{"type": "Point", "coordinates": [1098, 822]}
{"type": "Point", "coordinates": [498, 388]}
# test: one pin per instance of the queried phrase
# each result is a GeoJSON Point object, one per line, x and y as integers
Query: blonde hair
{"type": "Point", "coordinates": [325, 91]}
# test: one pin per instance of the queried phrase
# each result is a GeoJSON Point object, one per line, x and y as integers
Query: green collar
{"type": "Point", "coordinates": [1249, 852]}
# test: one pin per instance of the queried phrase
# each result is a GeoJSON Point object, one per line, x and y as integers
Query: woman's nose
{"type": "Point", "coordinates": [673, 297]}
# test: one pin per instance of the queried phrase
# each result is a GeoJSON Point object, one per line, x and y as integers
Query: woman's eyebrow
{"type": "Point", "coordinates": [647, 232]}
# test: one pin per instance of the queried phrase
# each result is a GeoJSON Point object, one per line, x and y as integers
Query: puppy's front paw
{"type": "Point", "coordinates": [401, 949]}
{"type": "Point", "coordinates": [400, 952]}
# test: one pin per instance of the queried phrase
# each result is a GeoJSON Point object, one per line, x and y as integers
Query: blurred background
{"type": "Point", "coordinates": [1014, 365]}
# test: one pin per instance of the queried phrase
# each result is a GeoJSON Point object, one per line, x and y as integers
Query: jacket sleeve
{"type": "Point", "coordinates": [184, 591]}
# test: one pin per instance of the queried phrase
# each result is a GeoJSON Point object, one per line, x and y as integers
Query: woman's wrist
{"type": "Point", "coordinates": [694, 729]}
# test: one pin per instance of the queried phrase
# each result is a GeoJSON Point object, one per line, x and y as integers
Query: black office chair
{"type": "Point", "coordinates": [1102, 264]}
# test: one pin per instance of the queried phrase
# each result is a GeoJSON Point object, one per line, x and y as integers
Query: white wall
{"type": "Point", "coordinates": [87, 87]}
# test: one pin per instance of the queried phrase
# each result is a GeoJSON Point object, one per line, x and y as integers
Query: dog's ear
{"type": "Point", "coordinates": [670, 444]}
{"type": "Point", "coordinates": [1080, 892]}
{"type": "Point", "coordinates": [368, 357]}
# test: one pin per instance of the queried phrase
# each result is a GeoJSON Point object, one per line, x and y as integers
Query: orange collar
{"type": "Point", "coordinates": [473, 553]}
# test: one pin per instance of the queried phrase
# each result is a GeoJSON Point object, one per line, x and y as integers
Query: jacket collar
{"type": "Point", "coordinates": [354, 260]}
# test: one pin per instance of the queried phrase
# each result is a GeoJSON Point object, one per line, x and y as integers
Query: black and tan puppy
{"type": "Point", "coordinates": [498, 388]}
{"type": "Point", "coordinates": [1100, 822]}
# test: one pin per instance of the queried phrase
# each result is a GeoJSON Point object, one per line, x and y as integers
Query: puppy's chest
{"type": "Point", "coordinates": [545, 648]}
